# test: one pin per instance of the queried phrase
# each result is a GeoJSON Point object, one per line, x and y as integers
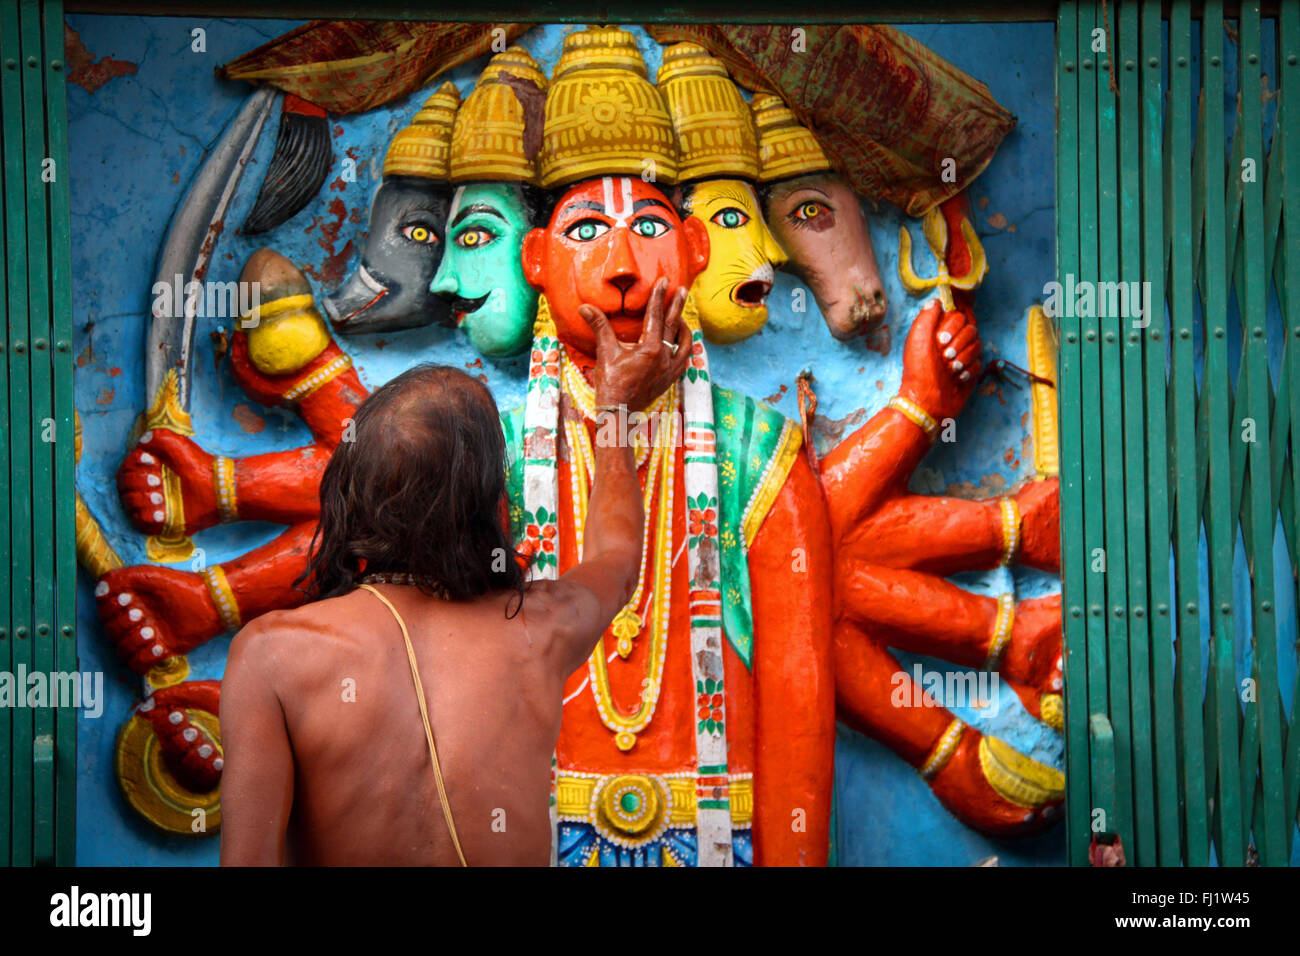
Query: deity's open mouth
{"type": "Point", "coordinates": [752, 293]}
{"type": "Point", "coordinates": [461, 307]}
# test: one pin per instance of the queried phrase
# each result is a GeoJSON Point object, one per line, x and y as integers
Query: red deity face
{"type": "Point", "coordinates": [607, 244]}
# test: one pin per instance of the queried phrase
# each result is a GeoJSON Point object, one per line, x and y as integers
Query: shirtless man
{"type": "Point", "coordinates": [326, 758]}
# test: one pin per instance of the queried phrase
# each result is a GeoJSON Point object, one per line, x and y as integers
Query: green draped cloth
{"type": "Point", "coordinates": [756, 446]}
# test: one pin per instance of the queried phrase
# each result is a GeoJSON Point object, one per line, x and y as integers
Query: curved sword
{"type": "Point", "coordinates": [177, 294]}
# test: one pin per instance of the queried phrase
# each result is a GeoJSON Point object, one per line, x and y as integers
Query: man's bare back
{"type": "Point", "coordinates": [326, 760]}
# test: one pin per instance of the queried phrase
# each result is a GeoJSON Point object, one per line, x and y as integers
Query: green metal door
{"type": "Point", "coordinates": [37, 621]}
{"type": "Point", "coordinates": [1178, 455]}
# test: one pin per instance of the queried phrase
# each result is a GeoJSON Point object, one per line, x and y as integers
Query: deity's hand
{"type": "Point", "coordinates": [941, 361]}
{"type": "Point", "coordinates": [142, 484]}
{"type": "Point", "coordinates": [151, 613]}
{"type": "Point", "coordinates": [191, 753]}
{"type": "Point", "coordinates": [1040, 525]}
{"type": "Point", "coordinates": [635, 375]}
{"type": "Point", "coordinates": [1033, 655]}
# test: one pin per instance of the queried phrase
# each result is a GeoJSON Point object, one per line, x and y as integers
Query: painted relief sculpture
{"type": "Point", "coordinates": [718, 160]}
{"type": "Point", "coordinates": [770, 593]}
{"type": "Point", "coordinates": [408, 224]}
{"type": "Point", "coordinates": [818, 219]}
{"type": "Point", "coordinates": [493, 148]}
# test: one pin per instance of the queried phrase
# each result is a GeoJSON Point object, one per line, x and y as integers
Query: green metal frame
{"type": "Point", "coordinates": [37, 603]}
{"type": "Point", "coordinates": [1182, 770]}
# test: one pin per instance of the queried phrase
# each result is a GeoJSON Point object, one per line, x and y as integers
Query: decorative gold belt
{"type": "Point", "coordinates": [632, 808]}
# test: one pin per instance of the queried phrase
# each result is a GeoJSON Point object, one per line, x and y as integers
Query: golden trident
{"type": "Point", "coordinates": [936, 236]}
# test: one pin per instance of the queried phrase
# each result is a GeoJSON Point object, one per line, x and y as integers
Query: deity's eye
{"type": "Point", "coordinates": [475, 238]}
{"type": "Point", "coordinates": [810, 210]}
{"type": "Point", "coordinates": [586, 230]}
{"type": "Point", "coordinates": [730, 218]}
{"type": "Point", "coordinates": [649, 227]}
{"type": "Point", "coordinates": [421, 234]}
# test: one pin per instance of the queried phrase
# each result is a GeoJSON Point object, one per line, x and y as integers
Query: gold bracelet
{"type": "Point", "coordinates": [1010, 530]}
{"type": "Point", "coordinates": [1001, 631]}
{"type": "Point", "coordinates": [916, 415]}
{"type": "Point", "coordinates": [223, 477]}
{"type": "Point", "coordinates": [223, 597]}
{"type": "Point", "coordinates": [943, 750]}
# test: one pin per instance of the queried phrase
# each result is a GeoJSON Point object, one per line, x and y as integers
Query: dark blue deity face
{"type": "Point", "coordinates": [390, 289]}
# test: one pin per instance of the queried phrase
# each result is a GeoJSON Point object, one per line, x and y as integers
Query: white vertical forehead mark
{"type": "Point", "coordinates": [455, 203]}
{"type": "Point", "coordinates": [619, 215]}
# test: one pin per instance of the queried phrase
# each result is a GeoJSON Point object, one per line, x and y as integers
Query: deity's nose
{"type": "Point", "coordinates": [444, 283]}
{"type": "Point", "coordinates": [620, 266]}
{"type": "Point", "coordinates": [772, 249]}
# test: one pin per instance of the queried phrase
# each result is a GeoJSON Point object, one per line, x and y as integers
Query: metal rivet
{"type": "Point", "coordinates": [1076, 612]}
{"type": "Point", "coordinates": [42, 629]}
{"type": "Point", "coordinates": [1266, 607]}
{"type": "Point", "coordinates": [39, 345]}
{"type": "Point", "coordinates": [20, 347]}
{"type": "Point", "coordinates": [63, 346]}
{"type": "Point", "coordinates": [1218, 333]}
{"type": "Point", "coordinates": [1087, 64]}
{"type": "Point", "coordinates": [1225, 608]}
{"type": "Point", "coordinates": [1214, 61]}
{"type": "Point", "coordinates": [1184, 333]}
{"type": "Point", "coordinates": [1153, 61]}
{"type": "Point", "coordinates": [1096, 610]}
{"type": "Point", "coordinates": [56, 65]}
{"type": "Point", "coordinates": [1071, 337]}
{"type": "Point", "coordinates": [1191, 607]}
{"type": "Point", "coordinates": [32, 61]}
{"type": "Point", "coordinates": [67, 630]}
{"type": "Point", "coordinates": [1110, 336]}
{"type": "Point", "coordinates": [1162, 609]}
{"type": "Point", "coordinates": [4, 632]}
{"type": "Point", "coordinates": [1069, 66]}
{"type": "Point", "coordinates": [1119, 611]}
{"type": "Point", "coordinates": [1133, 336]}
{"type": "Point", "coordinates": [1129, 64]}
{"type": "Point", "coordinates": [1291, 60]}
{"type": "Point", "coordinates": [1252, 59]}
{"type": "Point", "coordinates": [1155, 335]}
{"type": "Point", "coordinates": [1259, 333]}
{"type": "Point", "coordinates": [1182, 61]}
{"type": "Point", "coordinates": [20, 632]}
{"type": "Point", "coordinates": [11, 64]}
{"type": "Point", "coordinates": [1090, 335]}
{"type": "Point", "coordinates": [1139, 611]}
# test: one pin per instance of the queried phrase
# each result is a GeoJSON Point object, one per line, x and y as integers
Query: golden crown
{"type": "Point", "coordinates": [422, 148]}
{"type": "Point", "coordinates": [785, 146]}
{"type": "Point", "coordinates": [488, 140]}
{"type": "Point", "coordinates": [603, 116]}
{"type": "Point", "coordinates": [715, 128]}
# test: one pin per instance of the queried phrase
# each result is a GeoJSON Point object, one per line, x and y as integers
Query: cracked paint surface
{"type": "Point", "coordinates": [137, 140]}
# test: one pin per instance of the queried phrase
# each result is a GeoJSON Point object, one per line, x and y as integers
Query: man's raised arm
{"type": "Point", "coordinates": [628, 378]}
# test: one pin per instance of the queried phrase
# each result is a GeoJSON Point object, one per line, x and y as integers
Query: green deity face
{"type": "Point", "coordinates": [481, 275]}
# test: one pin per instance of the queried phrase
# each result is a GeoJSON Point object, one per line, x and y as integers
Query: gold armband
{"type": "Point", "coordinates": [223, 597]}
{"type": "Point", "coordinates": [943, 750]}
{"type": "Point", "coordinates": [1001, 631]}
{"type": "Point", "coordinates": [1010, 530]}
{"type": "Point", "coordinates": [223, 477]}
{"type": "Point", "coordinates": [916, 415]}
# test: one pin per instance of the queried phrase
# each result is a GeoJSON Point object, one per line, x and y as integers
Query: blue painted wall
{"type": "Point", "coordinates": [137, 141]}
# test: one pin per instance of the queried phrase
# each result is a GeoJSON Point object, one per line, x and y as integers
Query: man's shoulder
{"type": "Point", "coordinates": [280, 634]}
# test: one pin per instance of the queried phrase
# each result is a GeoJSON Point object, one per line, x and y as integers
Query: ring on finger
{"type": "Point", "coordinates": [672, 347]}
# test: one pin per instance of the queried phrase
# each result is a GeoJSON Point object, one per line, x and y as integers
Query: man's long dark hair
{"type": "Point", "coordinates": [420, 488]}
